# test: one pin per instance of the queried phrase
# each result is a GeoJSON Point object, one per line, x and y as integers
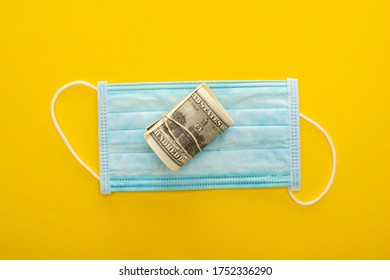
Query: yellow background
{"type": "Point", "coordinates": [50, 207]}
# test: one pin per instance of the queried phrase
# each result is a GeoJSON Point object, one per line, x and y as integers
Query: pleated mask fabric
{"type": "Point", "coordinates": [261, 149]}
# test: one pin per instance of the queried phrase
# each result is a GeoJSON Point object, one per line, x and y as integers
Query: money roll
{"type": "Point", "coordinates": [187, 128]}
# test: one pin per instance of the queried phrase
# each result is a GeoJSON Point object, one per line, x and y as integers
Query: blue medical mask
{"type": "Point", "coordinates": [261, 149]}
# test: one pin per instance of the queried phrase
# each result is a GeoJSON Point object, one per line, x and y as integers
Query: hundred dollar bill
{"type": "Point", "coordinates": [187, 128]}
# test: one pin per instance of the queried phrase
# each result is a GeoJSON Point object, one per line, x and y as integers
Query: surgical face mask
{"type": "Point", "coordinates": [261, 149]}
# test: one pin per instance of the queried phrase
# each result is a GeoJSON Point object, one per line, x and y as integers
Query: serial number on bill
{"type": "Point", "coordinates": [242, 270]}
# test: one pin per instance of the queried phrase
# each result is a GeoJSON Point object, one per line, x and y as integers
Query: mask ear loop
{"type": "Point", "coordinates": [59, 130]}
{"type": "Point", "coordinates": [331, 179]}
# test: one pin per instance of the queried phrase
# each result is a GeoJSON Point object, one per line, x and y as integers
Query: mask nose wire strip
{"type": "Point", "coordinates": [59, 130]}
{"type": "Point", "coordinates": [333, 174]}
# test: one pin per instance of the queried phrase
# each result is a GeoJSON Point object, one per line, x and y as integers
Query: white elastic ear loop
{"type": "Point", "coordinates": [333, 150]}
{"type": "Point", "coordinates": [53, 117]}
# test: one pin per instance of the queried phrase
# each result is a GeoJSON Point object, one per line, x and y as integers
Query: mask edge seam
{"type": "Point", "coordinates": [103, 140]}
{"type": "Point", "coordinates": [293, 106]}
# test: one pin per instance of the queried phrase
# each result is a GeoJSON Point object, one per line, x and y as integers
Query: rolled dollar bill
{"type": "Point", "coordinates": [187, 128]}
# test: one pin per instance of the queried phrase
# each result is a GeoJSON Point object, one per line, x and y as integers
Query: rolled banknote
{"type": "Point", "coordinates": [187, 128]}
